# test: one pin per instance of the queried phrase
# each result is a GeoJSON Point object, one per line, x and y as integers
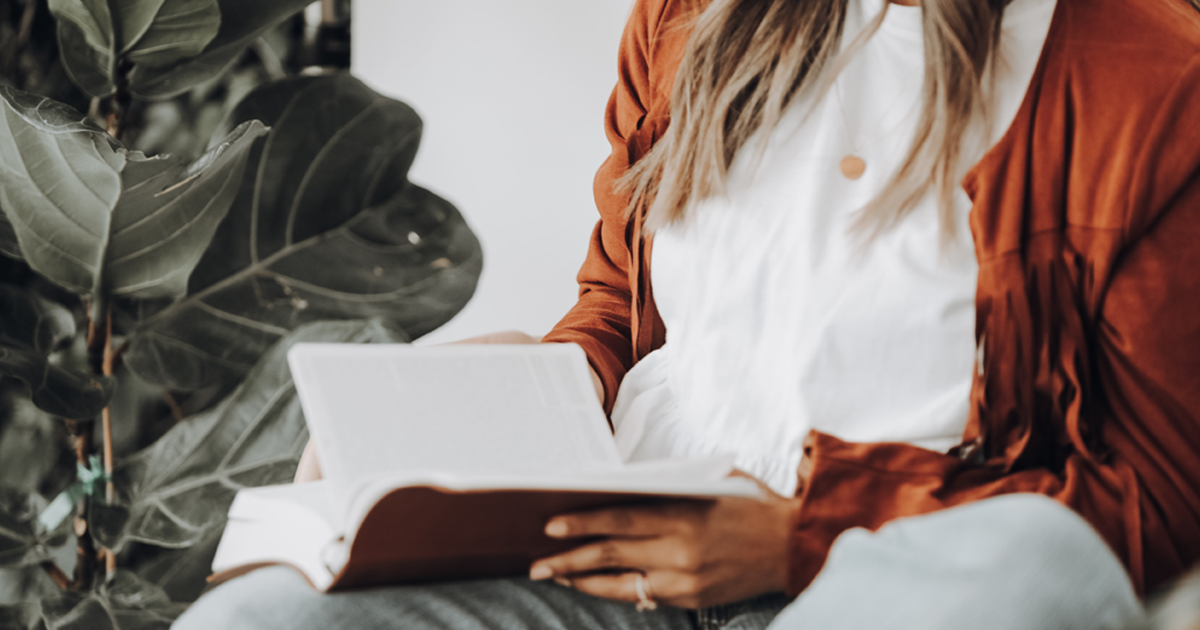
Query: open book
{"type": "Point", "coordinates": [445, 463]}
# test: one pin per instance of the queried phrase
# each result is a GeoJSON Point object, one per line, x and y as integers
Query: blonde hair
{"type": "Point", "coordinates": [747, 60]}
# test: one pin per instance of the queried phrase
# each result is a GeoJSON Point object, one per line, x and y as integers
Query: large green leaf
{"type": "Point", "coordinates": [22, 542]}
{"type": "Point", "coordinates": [123, 601]}
{"type": "Point", "coordinates": [168, 213]}
{"type": "Point", "coordinates": [22, 585]}
{"type": "Point", "coordinates": [326, 226]}
{"type": "Point", "coordinates": [99, 220]}
{"type": "Point", "coordinates": [175, 493]}
{"type": "Point", "coordinates": [86, 42]}
{"type": "Point", "coordinates": [182, 572]}
{"type": "Point", "coordinates": [159, 33]}
{"type": "Point", "coordinates": [242, 21]}
{"type": "Point", "coordinates": [8, 239]}
{"type": "Point", "coordinates": [30, 321]}
{"type": "Point", "coordinates": [98, 37]}
{"type": "Point", "coordinates": [31, 327]}
{"type": "Point", "coordinates": [30, 444]}
{"type": "Point", "coordinates": [60, 178]}
{"type": "Point", "coordinates": [56, 390]}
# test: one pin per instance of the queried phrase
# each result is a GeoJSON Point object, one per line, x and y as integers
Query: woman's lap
{"type": "Point", "coordinates": [277, 598]}
{"type": "Point", "coordinates": [1008, 563]}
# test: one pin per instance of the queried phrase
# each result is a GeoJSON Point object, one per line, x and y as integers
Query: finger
{"type": "Point", "coordinates": [629, 522]}
{"type": "Point", "coordinates": [657, 585]}
{"type": "Point", "coordinates": [618, 586]}
{"type": "Point", "coordinates": [606, 555]}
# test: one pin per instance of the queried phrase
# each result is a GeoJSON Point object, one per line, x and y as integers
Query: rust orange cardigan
{"type": "Point", "coordinates": [1086, 222]}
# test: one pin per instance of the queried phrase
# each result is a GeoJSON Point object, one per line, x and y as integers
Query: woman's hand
{"type": "Point", "coordinates": [693, 553]}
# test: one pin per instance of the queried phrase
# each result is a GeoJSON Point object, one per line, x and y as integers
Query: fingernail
{"type": "Point", "coordinates": [562, 581]}
{"type": "Point", "coordinates": [540, 572]}
{"type": "Point", "coordinates": [556, 529]}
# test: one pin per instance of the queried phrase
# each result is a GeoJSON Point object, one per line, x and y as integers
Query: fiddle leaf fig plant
{"type": "Point", "coordinates": [185, 280]}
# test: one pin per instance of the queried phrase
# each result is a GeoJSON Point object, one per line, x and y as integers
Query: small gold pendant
{"type": "Point", "coordinates": [853, 167]}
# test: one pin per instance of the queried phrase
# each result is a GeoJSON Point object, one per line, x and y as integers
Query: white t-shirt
{"type": "Point", "coordinates": [779, 321]}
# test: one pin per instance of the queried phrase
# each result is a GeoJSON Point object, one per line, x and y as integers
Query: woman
{"type": "Point", "coordinates": [821, 274]}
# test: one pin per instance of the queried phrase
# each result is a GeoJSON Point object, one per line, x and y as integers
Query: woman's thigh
{"type": "Point", "coordinates": [277, 598]}
{"type": "Point", "coordinates": [1017, 562]}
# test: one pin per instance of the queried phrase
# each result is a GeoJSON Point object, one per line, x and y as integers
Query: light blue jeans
{"type": "Point", "coordinates": [1019, 562]}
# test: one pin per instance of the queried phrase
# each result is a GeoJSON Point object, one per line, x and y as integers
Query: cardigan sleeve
{"type": "Point", "coordinates": [601, 320]}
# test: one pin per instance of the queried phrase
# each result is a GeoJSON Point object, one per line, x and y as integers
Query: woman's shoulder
{"type": "Point", "coordinates": [1117, 35]}
{"type": "Point", "coordinates": [1122, 86]}
{"type": "Point", "coordinates": [658, 15]}
{"type": "Point", "coordinates": [1121, 65]}
{"type": "Point", "coordinates": [1109, 115]}
{"type": "Point", "coordinates": [658, 31]}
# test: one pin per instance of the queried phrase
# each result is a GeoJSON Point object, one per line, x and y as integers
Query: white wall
{"type": "Point", "coordinates": [512, 93]}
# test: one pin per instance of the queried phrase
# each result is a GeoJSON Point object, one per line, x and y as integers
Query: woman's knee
{"type": "Point", "coordinates": [1019, 561]}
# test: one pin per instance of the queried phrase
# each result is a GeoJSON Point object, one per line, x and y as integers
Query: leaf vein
{"type": "Point", "coordinates": [183, 345]}
{"type": "Point", "coordinates": [163, 242]}
{"type": "Point", "coordinates": [314, 166]}
{"type": "Point", "coordinates": [238, 319]}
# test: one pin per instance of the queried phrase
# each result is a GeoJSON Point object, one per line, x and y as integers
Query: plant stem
{"type": "Point", "coordinates": [118, 355]}
{"type": "Point", "coordinates": [56, 574]}
{"type": "Point", "coordinates": [176, 410]}
{"type": "Point", "coordinates": [118, 105]}
{"type": "Point", "coordinates": [99, 345]}
{"type": "Point", "coordinates": [97, 338]}
{"type": "Point", "coordinates": [107, 369]}
{"type": "Point", "coordinates": [116, 117]}
{"type": "Point", "coordinates": [101, 358]}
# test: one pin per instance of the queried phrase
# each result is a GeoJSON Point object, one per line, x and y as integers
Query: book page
{"type": "Point", "coordinates": [289, 524]}
{"type": "Point", "coordinates": [484, 409]}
